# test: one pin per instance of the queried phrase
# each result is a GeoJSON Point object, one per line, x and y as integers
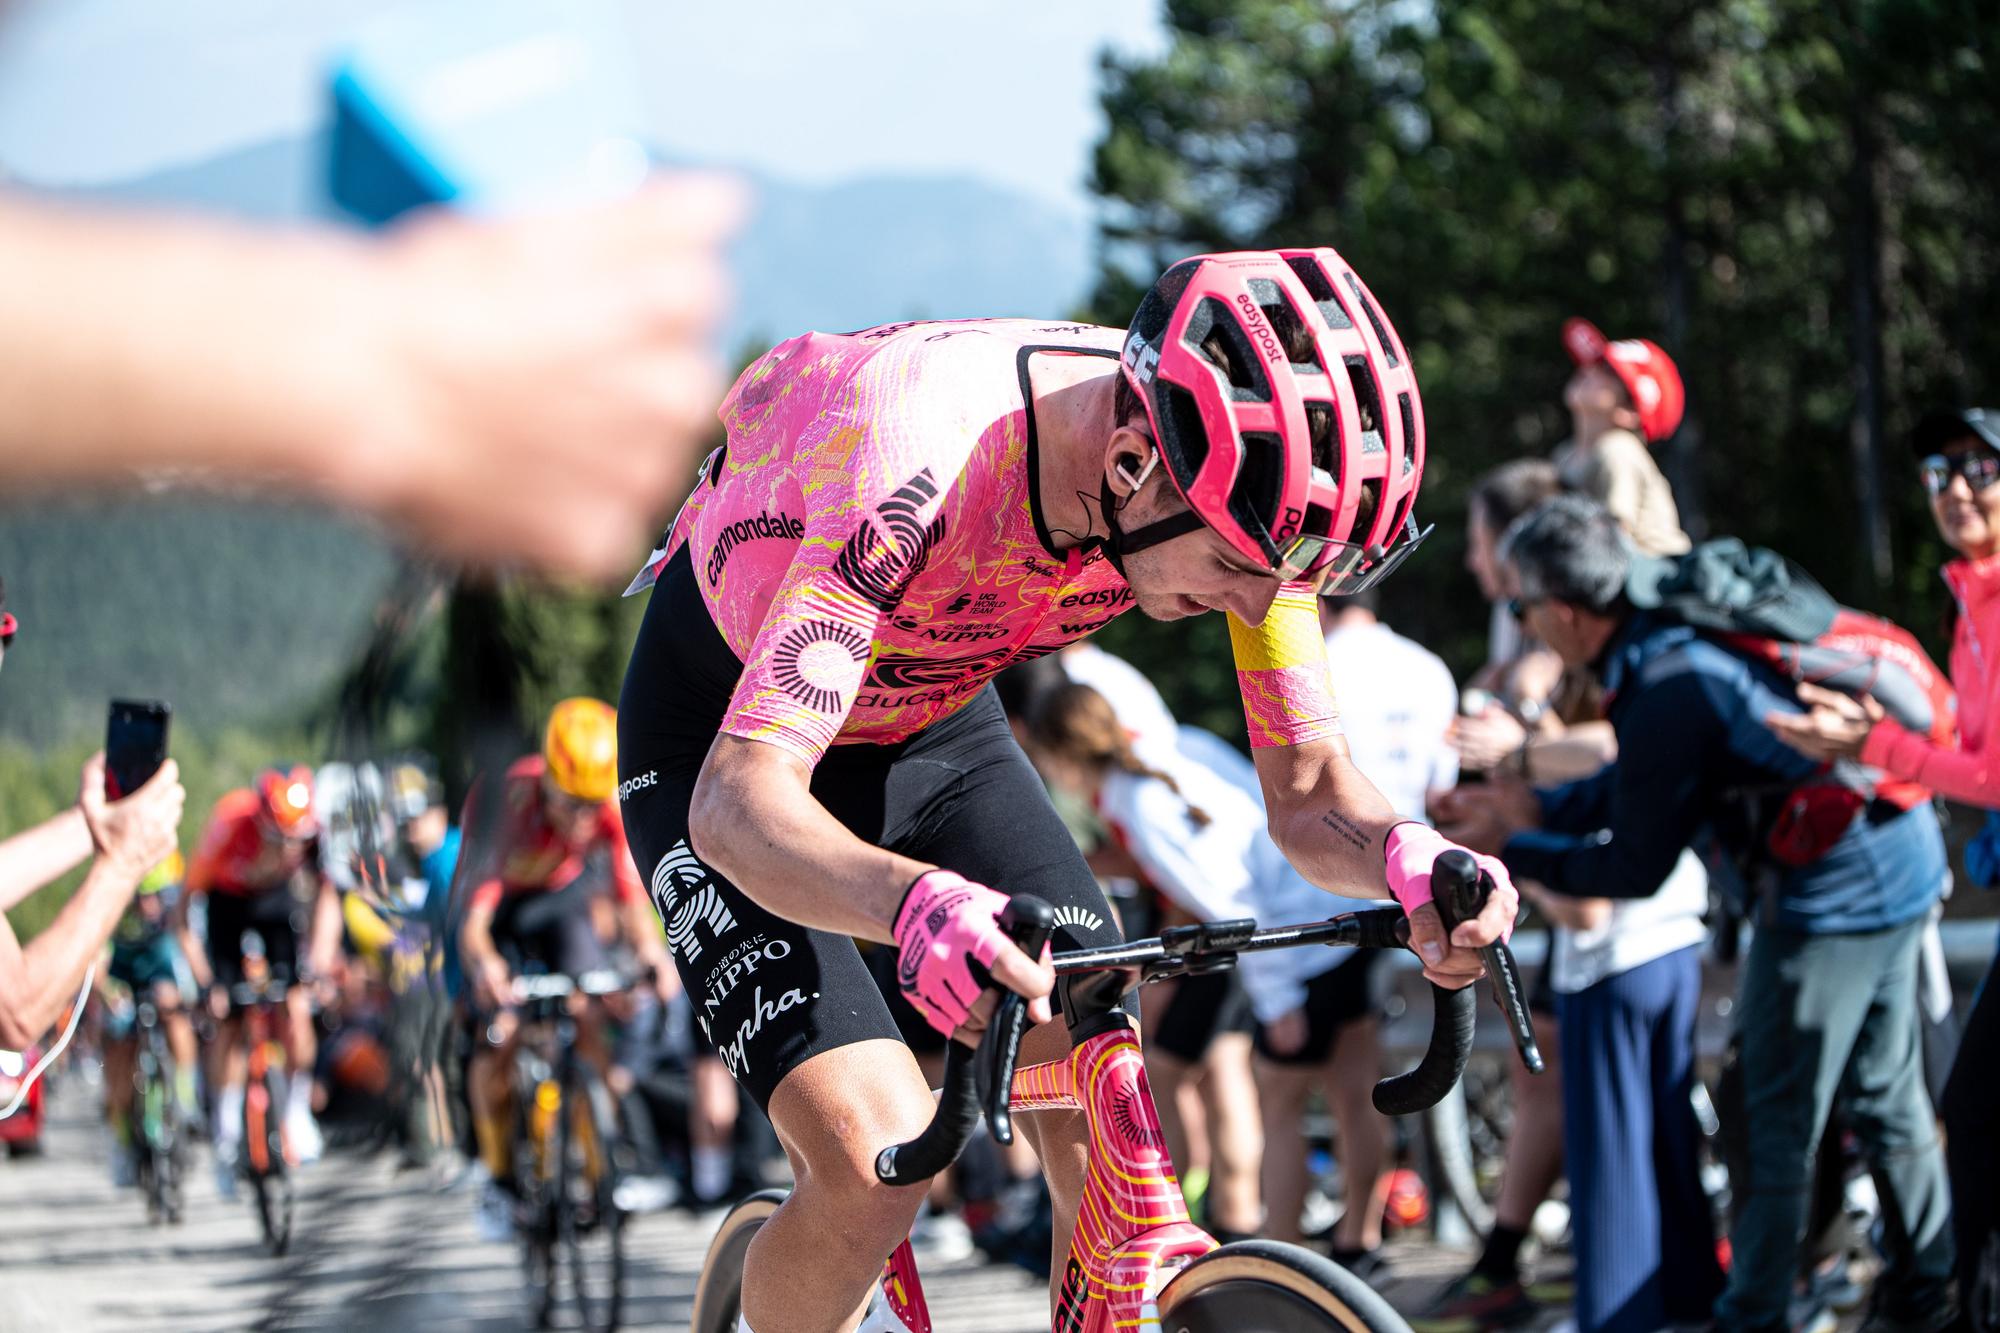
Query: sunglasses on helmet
{"type": "Point", "coordinates": [1337, 569]}
{"type": "Point", "coordinates": [1979, 467]}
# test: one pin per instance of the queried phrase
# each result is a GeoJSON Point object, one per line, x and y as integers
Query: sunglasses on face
{"type": "Point", "coordinates": [1518, 607]}
{"type": "Point", "coordinates": [1979, 468]}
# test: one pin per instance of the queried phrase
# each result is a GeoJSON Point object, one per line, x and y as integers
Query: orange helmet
{"type": "Point", "coordinates": [582, 748]}
{"type": "Point", "coordinates": [287, 798]}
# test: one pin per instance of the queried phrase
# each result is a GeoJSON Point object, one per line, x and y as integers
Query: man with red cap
{"type": "Point", "coordinates": [1625, 397]}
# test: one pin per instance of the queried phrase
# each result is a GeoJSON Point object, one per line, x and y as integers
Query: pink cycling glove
{"type": "Point", "coordinates": [945, 924]}
{"type": "Point", "coordinates": [1413, 849]}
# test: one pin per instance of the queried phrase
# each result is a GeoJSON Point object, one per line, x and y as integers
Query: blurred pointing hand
{"type": "Point", "coordinates": [551, 380]}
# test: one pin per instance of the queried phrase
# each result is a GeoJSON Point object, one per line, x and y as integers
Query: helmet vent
{"type": "Point", "coordinates": [1366, 405]}
{"type": "Point", "coordinates": [1323, 429]}
{"type": "Point", "coordinates": [1183, 440]}
{"type": "Point", "coordinates": [1289, 326]}
{"type": "Point", "coordinates": [1253, 500]}
{"type": "Point", "coordinates": [1321, 290]}
{"type": "Point", "coordinates": [1364, 513]}
{"type": "Point", "coordinates": [1214, 331]}
{"type": "Point", "coordinates": [1375, 321]}
{"type": "Point", "coordinates": [1409, 433]}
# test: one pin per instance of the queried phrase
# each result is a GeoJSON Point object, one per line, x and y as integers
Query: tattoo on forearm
{"type": "Point", "coordinates": [1347, 830]}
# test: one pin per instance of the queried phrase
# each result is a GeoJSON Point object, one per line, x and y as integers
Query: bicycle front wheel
{"type": "Point", "coordinates": [270, 1174]}
{"type": "Point", "coordinates": [1261, 1286]}
{"type": "Point", "coordinates": [591, 1227]}
{"type": "Point", "coordinates": [718, 1292]}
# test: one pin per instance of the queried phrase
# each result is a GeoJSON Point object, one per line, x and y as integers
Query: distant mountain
{"type": "Point", "coordinates": [242, 612]}
{"type": "Point", "coordinates": [866, 251]}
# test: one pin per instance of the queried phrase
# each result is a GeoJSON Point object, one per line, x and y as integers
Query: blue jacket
{"type": "Point", "coordinates": [1689, 719]}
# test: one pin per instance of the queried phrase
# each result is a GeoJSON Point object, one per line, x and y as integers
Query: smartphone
{"type": "Point", "coordinates": [135, 745]}
{"type": "Point", "coordinates": [490, 106]}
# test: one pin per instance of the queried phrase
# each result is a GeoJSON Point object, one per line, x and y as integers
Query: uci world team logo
{"type": "Point", "coordinates": [688, 902]}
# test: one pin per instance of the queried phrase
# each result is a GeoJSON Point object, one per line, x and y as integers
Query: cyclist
{"type": "Point", "coordinates": [531, 903]}
{"type": "Point", "coordinates": [257, 869]}
{"type": "Point", "coordinates": [146, 965]}
{"type": "Point", "coordinates": [808, 749]}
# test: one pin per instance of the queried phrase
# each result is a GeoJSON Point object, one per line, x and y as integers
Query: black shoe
{"type": "Point", "coordinates": [1364, 1264]}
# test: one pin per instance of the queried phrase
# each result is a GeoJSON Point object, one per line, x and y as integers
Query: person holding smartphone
{"type": "Point", "coordinates": [258, 867]}
{"type": "Point", "coordinates": [122, 839]}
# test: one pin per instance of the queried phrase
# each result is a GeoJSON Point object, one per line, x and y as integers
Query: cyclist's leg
{"type": "Point", "coordinates": [1236, 1131]}
{"type": "Point", "coordinates": [963, 796]}
{"type": "Point", "coordinates": [169, 1000]}
{"type": "Point", "coordinates": [712, 1129]}
{"type": "Point", "coordinates": [1347, 1009]}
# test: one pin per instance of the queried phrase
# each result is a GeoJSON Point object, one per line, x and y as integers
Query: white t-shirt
{"type": "Point", "coordinates": [1637, 931]}
{"type": "Point", "coordinates": [1396, 700]}
{"type": "Point", "coordinates": [1132, 697]}
{"type": "Point", "coordinates": [1226, 868]}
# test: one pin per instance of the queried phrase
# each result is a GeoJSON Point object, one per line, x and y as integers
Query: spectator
{"type": "Point", "coordinates": [529, 389]}
{"type": "Point", "coordinates": [1828, 992]}
{"type": "Point", "coordinates": [127, 838]}
{"type": "Point", "coordinates": [1958, 456]}
{"type": "Point", "coordinates": [1623, 391]}
{"type": "Point", "coordinates": [1397, 700]}
{"type": "Point", "coordinates": [1522, 706]}
{"type": "Point", "coordinates": [1192, 835]}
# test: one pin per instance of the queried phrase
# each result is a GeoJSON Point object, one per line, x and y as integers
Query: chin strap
{"type": "Point", "coordinates": [1121, 543]}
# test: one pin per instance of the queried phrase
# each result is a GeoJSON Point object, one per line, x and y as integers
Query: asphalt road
{"type": "Point", "coordinates": [373, 1250]}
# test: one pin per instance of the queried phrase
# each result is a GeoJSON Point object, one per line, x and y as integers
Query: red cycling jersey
{"type": "Point", "coordinates": [530, 855]}
{"type": "Point", "coordinates": [238, 854]}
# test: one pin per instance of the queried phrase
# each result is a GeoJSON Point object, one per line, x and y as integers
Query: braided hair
{"type": "Point", "coordinates": [1075, 722]}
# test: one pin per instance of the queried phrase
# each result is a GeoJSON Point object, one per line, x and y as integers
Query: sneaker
{"type": "Point", "coordinates": [302, 1133]}
{"type": "Point", "coordinates": [644, 1194]}
{"type": "Point", "coordinates": [941, 1238]}
{"type": "Point", "coordinates": [225, 1176]}
{"type": "Point", "coordinates": [493, 1214]}
{"type": "Point", "coordinates": [1475, 1301]}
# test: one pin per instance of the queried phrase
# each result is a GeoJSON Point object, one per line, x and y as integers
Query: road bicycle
{"type": "Point", "coordinates": [568, 1153]}
{"type": "Point", "coordinates": [269, 1159]}
{"type": "Point", "coordinates": [1136, 1260]}
{"type": "Point", "coordinates": [159, 1136]}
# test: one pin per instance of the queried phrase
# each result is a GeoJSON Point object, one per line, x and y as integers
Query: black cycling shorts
{"type": "Point", "coordinates": [770, 994]}
{"type": "Point", "coordinates": [277, 916]}
{"type": "Point", "coordinates": [1336, 997]}
{"type": "Point", "coordinates": [549, 930]}
{"type": "Point", "coordinates": [1200, 1009]}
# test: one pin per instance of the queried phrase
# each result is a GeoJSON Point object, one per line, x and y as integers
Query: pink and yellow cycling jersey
{"type": "Point", "coordinates": [870, 547]}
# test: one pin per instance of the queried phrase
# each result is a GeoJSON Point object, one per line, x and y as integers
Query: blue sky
{"type": "Point", "coordinates": [95, 90]}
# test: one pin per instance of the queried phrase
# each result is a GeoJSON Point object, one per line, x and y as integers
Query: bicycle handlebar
{"type": "Point", "coordinates": [980, 1079]}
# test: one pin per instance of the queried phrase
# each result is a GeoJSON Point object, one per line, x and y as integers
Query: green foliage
{"type": "Point", "coordinates": [1701, 173]}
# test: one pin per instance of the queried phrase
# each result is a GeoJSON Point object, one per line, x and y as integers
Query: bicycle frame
{"type": "Point", "coordinates": [263, 1033]}
{"type": "Point", "coordinates": [1132, 1228]}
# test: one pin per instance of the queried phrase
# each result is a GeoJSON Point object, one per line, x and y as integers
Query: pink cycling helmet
{"type": "Point", "coordinates": [1286, 411]}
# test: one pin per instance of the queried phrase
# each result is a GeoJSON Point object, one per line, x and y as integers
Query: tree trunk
{"type": "Point", "coordinates": [1865, 298]}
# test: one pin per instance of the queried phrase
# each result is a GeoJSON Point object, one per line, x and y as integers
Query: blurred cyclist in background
{"type": "Point", "coordinates": [146, 966]}
{"type": "Point", "coordinates": [529, 907]}
{"type": "Point", "coordinates": [258, 869]}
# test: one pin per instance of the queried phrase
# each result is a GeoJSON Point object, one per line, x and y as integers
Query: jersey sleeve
{"type": "Point", "coordinates": [1282, 672]}
{"type": "Point", "coordinates": [625, 883]}
{"type": "Point", "coordinates": [215, 852]}
{"type": "Point", "coordinates": [874, 479]}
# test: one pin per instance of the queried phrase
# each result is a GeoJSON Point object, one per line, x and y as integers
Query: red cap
{"type": "Point", "coordinates": [1647, 373]}
{"type": "Point", "coordinates": [8, 627]}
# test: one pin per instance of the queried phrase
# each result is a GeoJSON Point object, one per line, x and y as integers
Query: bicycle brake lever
{"type": "Point", "coordinates": [1027, 920]}
{"type": "Point", "coordinates": [1463, 900]}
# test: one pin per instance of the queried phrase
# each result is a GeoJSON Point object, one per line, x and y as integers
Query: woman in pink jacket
{"type": "Point", "coordinates": [1959, 460]}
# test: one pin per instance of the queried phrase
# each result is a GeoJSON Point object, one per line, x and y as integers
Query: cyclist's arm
{"type": "Point", "coordinates": [476, 949]}
{"type": "Point", "coordinates": [755, 819]}
{"type": "Point", "coordinates": [323, 938]}
{"type": "Point", "coordinates": [191, 944]}
{"type": "Point", "coordinates": [1325, 815]}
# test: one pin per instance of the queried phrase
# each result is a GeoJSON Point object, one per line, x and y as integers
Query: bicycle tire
{"type": "Point", "coordinates": [1262, 1286]}
{"type": "Point", "coordinates": [273, 1182]}
{"type": "Point", "coordinates": [535, 1219]}
{"type": "Point", "coordinates": [1448, 1136]}
{"type": "Point", "coordinates": [718, 1290]}
{"type": "Point", "coordinates": [589, 1224]}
